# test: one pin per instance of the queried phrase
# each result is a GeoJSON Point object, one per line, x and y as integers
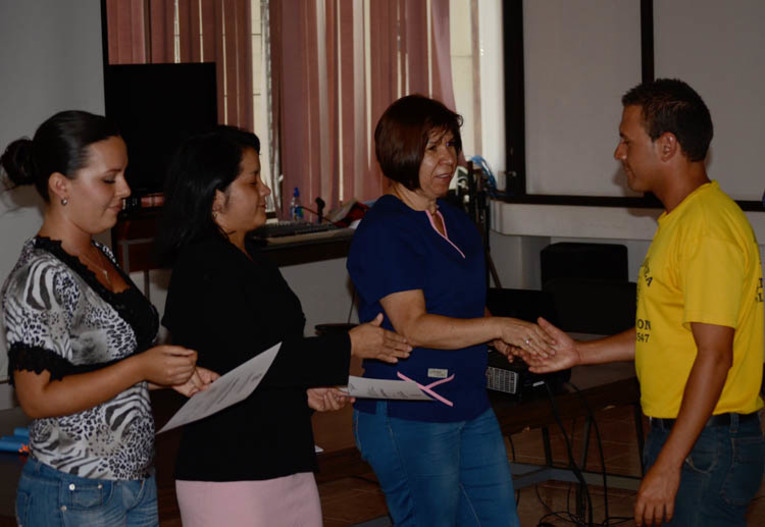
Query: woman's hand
{"type": "Point", "coordinates": [327, 399]}
{"type": "Point", "coordinates": [529, 337]}
{"type": "Point", "coordinates": [370, 341]}
{"type": "Point", "coordinates": [167, 365]}
{"type": "Point", "coordinates": [199, 381]}
{"type": "Point", "coordinates": [504, 348]}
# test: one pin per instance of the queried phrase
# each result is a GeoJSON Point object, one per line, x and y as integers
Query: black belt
{"type": "Point", "coordinates": [715, 420]}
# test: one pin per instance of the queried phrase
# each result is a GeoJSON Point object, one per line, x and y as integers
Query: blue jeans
{"type": "Point", "coordinates": [720, 476]}
{"type": "Point", "coordinates": [444, 474]}
{"type": "Point", "coordinates": [49, 497]}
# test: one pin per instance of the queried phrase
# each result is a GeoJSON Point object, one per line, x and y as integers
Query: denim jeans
{"type": "Point", "coordinates": [720, 476]}
{"type": "Point", "coordinates": [443, 474]}
{"type": "Point", "coordinates": [49, 497]}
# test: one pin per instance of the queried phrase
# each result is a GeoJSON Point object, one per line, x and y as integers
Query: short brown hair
{"type": "Point", "coordinates": [402, 134]}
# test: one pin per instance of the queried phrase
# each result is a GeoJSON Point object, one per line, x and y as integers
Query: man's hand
{"type": "Point", "coordinates": [566, 352]}
{"type": "Point", "coordinates": [656, 498]}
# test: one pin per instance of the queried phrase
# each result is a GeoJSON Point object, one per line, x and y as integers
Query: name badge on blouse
{"type": "Point", "coordinates": [437, 373]}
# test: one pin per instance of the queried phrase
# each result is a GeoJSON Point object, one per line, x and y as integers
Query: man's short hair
{"type": "Point", "coordinates": [402, 134]}
{"type": "Point", "coordinates": [670, 105]}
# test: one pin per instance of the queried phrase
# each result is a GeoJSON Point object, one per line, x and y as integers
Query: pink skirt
{"type": "Point", "coordinates": [290, 501]}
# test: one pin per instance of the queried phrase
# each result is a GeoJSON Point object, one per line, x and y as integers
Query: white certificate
{"type": "Point", "coordinates": [229, 389]}
{"type": "Point", "coordinates": [363, 387]}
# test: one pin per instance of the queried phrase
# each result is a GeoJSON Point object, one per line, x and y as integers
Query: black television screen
{"type": "Point", "coordinates": [156, 107]}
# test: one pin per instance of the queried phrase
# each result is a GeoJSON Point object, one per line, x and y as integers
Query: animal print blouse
{"type": "Point", "coordinates": [60, 319]}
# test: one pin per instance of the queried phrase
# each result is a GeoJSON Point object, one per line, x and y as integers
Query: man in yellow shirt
{"type": "Point", "coordinates": [698, 338]}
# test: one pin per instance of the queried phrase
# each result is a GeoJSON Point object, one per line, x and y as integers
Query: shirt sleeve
{"type": "Point", "coordinates": [386, 258]}
{"type": "Point", "coordinates": [37, 313]}
{"type": "Point", "coordinates": [713, 282]}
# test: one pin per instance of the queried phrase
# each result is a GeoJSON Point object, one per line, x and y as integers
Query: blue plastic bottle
{"type": "Point", "coordinates": [296, 209]}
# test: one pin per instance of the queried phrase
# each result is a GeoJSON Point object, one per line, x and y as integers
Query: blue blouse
{"type": "Point", "coordinates": [396, 248]}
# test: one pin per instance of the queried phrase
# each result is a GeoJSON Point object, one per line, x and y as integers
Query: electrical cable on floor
{"type": "Point", "coordinates": [594, 424]}
{"type": "Point", "coordinates": [569, 450]}
{"type": "Point", "coordinates": [565, 516]}
{"type": "Point", "coordinates": [608, 518]}
{"type": "Point", "coordinates": [571, 487]}
{"type": "Point", "coordinates": [572, 463]}
{"type": "Point", "coordinates": [569, 517]}
{"type": "Point", "coordinates": [550, 512]}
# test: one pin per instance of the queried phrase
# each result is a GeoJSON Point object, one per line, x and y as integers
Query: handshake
{"type": "Point", "coordinates": [542, 346]}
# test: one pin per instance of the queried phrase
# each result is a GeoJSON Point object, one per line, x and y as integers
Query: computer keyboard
{"type": "Point", "coordinates": [291, 228]}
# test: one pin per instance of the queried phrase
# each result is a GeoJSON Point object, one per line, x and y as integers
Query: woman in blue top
{"type": "Point", "coordinates": [421, 262]}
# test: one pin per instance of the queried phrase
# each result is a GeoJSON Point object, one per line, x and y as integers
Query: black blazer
{"type": "Point", "coordinates": [230, 308]}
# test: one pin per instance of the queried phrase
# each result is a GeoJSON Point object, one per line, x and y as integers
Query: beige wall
{"type": "Point", "coordinates": [50, 61]}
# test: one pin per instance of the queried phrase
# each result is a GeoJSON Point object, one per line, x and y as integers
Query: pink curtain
{"type": "Point", "coordinates": [324, 110]}
{"type": "Point", "coordinates": [142, 31]}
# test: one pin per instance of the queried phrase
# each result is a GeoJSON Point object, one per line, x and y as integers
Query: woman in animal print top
{"type": "Point", "coordinates": [80, 337]}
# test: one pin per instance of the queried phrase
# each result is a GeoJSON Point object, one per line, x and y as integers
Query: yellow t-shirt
{"type": "Point", "coordinates": [703, 266]}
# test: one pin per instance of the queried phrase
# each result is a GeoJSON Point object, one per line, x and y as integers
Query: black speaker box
{"type": "Point", "coordinates": [599, 261]}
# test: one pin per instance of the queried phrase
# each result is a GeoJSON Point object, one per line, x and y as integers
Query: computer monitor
{"type": "Point", "coordinates": [156, 107]}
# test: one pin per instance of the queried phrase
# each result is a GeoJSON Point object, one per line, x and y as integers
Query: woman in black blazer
{"type": "Point", "coordinates": [250, 464]}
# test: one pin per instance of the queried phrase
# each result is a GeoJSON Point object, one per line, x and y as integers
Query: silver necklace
{"type": "Point", "coordinates": [100, 266]}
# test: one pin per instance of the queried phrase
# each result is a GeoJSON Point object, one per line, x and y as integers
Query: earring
{"type": "Point", "coordinates": [64, 202]}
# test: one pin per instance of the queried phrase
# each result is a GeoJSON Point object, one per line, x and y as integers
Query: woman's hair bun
{"type": "Point", "coordinates": [16, 162]}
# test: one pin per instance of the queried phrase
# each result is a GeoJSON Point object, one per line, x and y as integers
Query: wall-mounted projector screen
{"type": "Point", "coordinates": [720, 51]}
{"type": "Point", "coordinates": [580, 58]}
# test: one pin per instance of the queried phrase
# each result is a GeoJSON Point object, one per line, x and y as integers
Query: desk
{"type": "Point", "coordinates": [133, 244]}
{"type": "Point", "coordinates": [601, 385]}
{"type": "Point", "coordinates": [307, 248]}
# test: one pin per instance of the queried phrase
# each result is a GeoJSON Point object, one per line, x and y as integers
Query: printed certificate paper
{"type": "Point", "coordinates": [363, 387]}
{"type": "Point", "coordinates": [229, 389]}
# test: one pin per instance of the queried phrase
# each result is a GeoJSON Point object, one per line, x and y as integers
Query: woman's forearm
{"type": "Point", "coordinates": [41, 397]}
{"type": "Point", "coordinates": [407, 312]}
{"type": "Point", "coordinates": [440, 332]}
